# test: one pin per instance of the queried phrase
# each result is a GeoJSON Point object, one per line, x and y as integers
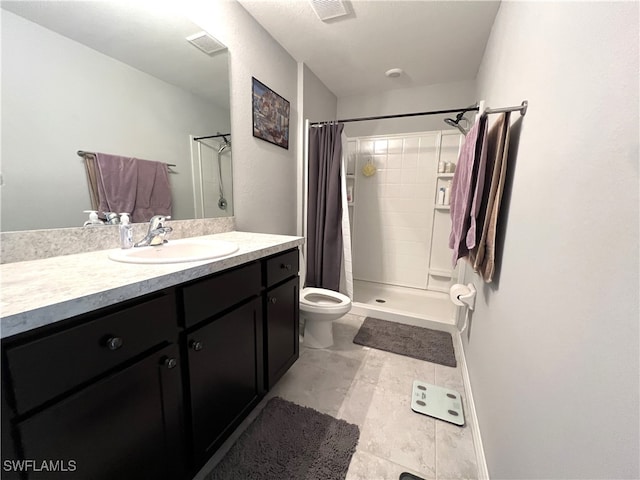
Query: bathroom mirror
{"type": "Point", "coordinates": [115, 77]}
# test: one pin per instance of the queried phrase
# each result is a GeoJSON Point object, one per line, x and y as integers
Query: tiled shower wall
{"type": "Point", "coordinates": [393, 209]}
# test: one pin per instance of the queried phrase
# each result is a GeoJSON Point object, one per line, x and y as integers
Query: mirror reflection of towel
{"type": "Point", "coordinates": [92, 179]}
{"type": "Point", "coordinates": [139, 187]}
{"type": "Point", "coordinates": [153, 196]}
{"type": "Point", "coordinates": [117, 183]}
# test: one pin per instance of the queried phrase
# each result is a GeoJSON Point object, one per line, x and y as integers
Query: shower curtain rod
{"type": "Point", "coordinates": [197, 139]}
{"type": "Point", "coordinates": [402, 115]}
{"type": "Point", "coordinates": [522, 108]}
{"type": "Point", "coordinates": [82, 153]}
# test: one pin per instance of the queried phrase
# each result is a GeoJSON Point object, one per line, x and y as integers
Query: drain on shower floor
{"type": "Point", "coordinates": [380, 300]}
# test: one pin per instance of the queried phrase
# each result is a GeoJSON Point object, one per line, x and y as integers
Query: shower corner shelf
{"type": "Point", "coordinates": [445, 175]}
{"type": "Point", "coordinates": [440, 272]}
{"type": "Point", "coordinates": [442, 207]}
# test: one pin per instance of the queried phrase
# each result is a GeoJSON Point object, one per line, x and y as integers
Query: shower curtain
{"type": "Point", "coordinates": [324, 208]}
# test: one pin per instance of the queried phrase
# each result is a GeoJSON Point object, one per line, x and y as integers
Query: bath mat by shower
{"type": "Point", "coordinates": [287, 441]}
{"type": "Point", "coordinates": [416, 342]}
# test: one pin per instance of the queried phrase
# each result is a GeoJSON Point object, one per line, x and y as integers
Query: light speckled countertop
{"type": "Point", "coordinates": [40, 292]}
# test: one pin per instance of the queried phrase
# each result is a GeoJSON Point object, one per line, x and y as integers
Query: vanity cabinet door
{"type": "Point", "coordinates": [282, 328]}
{"type": "Point", "coordinates": [127, 425]}
{"type": "Point", "coordinates": [224, 357]}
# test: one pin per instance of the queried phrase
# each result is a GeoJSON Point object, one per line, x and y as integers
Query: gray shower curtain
{"type": "Point", "coordinates": [324, 210]}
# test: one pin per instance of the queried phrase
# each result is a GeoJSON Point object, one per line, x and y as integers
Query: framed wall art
{"type": "Point", "coordinates": [270, 115]}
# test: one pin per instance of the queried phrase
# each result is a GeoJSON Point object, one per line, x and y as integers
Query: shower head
{"type": "Point", "coordinates": [456, 123]}
{"type": "Point", "coordinates": [461, 128]}
{"type": "Point", "coordinates": [224, 146]}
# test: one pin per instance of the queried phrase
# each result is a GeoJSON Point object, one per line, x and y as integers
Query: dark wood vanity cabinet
{"type": "Point", "coordinates": [281, 324]}
{"type": "Point", "coordinates": [224, 354]}
{"type": "Point", "coordinates": [125, 426]}
{"type": "Point", "coordinates": [150, 388]}
{"type": "Point", "coordinates": [281, 329]}
{"type": "Point", "coordinates": [240, 337]}
{"type": "Point", "coordinates": [224, 381]}
{"type": "Point", "coordinates": [98, 399]}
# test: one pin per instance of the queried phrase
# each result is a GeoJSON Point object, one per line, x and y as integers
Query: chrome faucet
{"type": "Point", "coordinates": [157, 232]}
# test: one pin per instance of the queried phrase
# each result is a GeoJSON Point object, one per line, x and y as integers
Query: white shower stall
{"type": "Point", "coordinates": [400, 226]}
{"type": "Point", "coordinates": [212, 178]}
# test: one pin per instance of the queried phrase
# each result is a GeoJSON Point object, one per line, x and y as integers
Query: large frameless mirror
{"type": "Point", "coordinates": [112, 77]}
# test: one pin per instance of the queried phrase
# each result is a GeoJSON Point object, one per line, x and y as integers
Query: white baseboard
{"type": "Point", "coordinates": [483, 471]}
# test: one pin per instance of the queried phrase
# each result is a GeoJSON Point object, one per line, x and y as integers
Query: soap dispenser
{"type": "Point", "coordinates": [126, 233]}
{"type": "Point", "coordinates": [93, 218]}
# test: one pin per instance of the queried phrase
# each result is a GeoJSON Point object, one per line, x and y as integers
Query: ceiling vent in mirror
{"type": "Point", "coordinates": [329, 9]}
{"type": "Point", "coordinates": [205, 42]}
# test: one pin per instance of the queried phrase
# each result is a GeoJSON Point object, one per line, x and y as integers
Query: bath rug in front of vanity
{"type": "Point", "coordinates": [408, 340]}
{"type": "Point", "coordinates": [287, 441]}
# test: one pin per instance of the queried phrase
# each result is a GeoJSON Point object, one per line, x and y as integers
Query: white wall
{"type": "Point", "coordinates": [319, 102]}
{"type": "Point", "coordinates": [405, 100]}
{"type": "Point", "coordinates": [59, 96]}
{"type": "Point", "coordinates": [553, 348]}
{"type": "Point", "coordinates": [264, 175]}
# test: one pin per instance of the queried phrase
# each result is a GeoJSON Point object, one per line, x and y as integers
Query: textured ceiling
{"type": "Point", "coordinates": [432, 41]}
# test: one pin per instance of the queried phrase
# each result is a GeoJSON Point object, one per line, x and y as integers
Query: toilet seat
{"type": "Point", "coordinates": [319, 300]}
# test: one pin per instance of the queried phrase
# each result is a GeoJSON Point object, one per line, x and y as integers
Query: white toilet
{"type": "Point", "coordinates": [319, 307]}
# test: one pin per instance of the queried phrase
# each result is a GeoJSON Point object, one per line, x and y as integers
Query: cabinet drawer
{"type": "Point", "coordinates": [209, 297]}
{"type": "Point", "coordinates": [45, 368]}
{"type": "Point", "coordinates": [281, 267]}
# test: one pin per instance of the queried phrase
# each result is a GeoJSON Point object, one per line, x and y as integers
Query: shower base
{"type": "Point", "coordinates": [402, 304]}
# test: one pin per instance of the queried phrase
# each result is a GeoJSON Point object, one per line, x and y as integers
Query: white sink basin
{"type": "Point", "coordinates": [175, 251]}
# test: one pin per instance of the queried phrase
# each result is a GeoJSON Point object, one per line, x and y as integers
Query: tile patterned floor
{"type": "Point", "coordinates": [372, 389]}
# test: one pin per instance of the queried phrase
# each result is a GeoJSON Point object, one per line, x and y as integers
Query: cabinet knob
{"type": "Point", "coordinates": [170, 362]}
{"type": "Point", "coordinates": [195, 345]}
{"type": "Point", "coordinates": [285, 266]}
{"type": "Point", "coordinates": [114, 343]}
{"type": "Point", "coordinates": [273, 299]}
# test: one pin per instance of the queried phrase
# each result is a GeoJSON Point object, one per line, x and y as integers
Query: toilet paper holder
{"type": "Point", "coordinates": [463, 295]}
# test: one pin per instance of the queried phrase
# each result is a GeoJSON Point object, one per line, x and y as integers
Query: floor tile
{"type": "Point", "coordinates": [365, 466]}
{"type": "Point", "coordinates": [372, 389]}
{"type": "Point", "coordinates": [391, 370]}
{"type": "Point", "coordinates": [456, 455]}
{"type": "Point", "coordinates": [318, 380]}
{"type": "Point", "coordinates": [389, 429]}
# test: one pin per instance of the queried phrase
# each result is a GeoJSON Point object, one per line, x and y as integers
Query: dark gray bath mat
{"type": "Point", "coordinates": [416, 342]}
{"type": "Point", "coordinates": [287, 441]}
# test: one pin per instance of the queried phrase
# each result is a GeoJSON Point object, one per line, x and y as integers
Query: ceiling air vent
{"type": "Point", "coordinates": [329, 9]}
{"type": "Point", "coordinates": [205, 42]}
